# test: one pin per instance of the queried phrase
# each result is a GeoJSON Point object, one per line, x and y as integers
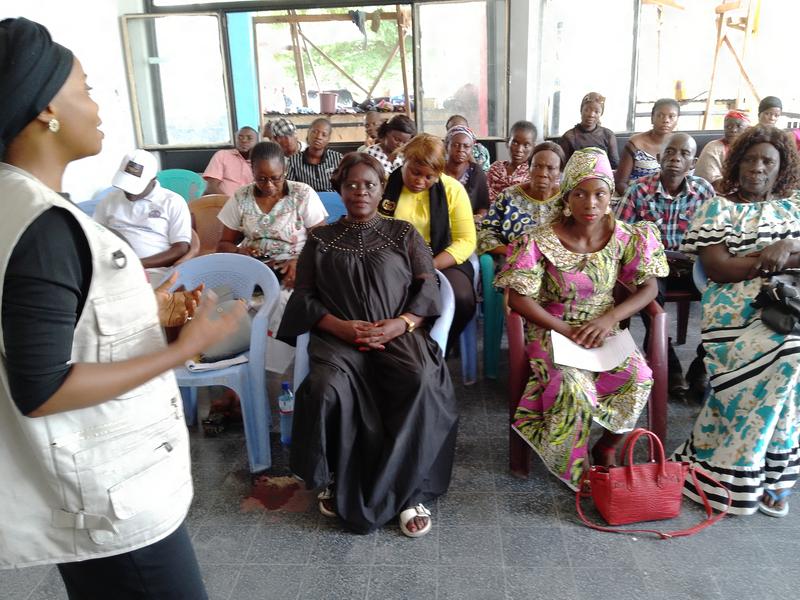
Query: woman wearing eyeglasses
{"type": "Point", "coordinates": [269, 219]}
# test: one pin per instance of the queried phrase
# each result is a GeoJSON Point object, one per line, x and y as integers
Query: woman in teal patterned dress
{"type": "Point", "coordinates": [561, 279]}
{"type": "Point", "coordinates": [747, 431]}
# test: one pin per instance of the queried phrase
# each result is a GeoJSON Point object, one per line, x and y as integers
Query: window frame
{"type": "Point", "coordinates": [222, 9]}
{"type": "Point", "coordinates": [160, 122]}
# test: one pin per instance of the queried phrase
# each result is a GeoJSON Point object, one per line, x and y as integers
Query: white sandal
{"type": "Point", "coordinates": [417, 511]}
{"type": "Point", "coordinates": [326, 494]}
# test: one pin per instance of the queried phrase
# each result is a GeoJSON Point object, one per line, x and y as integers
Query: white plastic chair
{"type": "Point", "coordinates": [439, 331]}
{"type": "Point", "coordinates": [241, 274]}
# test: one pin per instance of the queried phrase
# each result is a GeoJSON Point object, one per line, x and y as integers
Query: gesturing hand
{"type": "Point", "coordinates": [210, 325]}
{"type": "Point", "coordinates": [174, 308]}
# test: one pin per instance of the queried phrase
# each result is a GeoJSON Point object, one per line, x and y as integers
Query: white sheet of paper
{"type": "Point", "coordinates": [197, 367]}
{"type": "Point", "coordinates": [615, 349]}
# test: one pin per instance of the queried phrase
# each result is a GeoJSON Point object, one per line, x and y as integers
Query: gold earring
{"type": "Point", "coordinates": [567, 211]}
{"type": "Point", "coordinates": [608, 209]}
{"type": "Point", "coordinates": [53, 125]}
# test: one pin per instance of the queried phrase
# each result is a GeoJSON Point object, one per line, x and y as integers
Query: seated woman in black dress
{"type": "Point", "coordinates": [375, 420]}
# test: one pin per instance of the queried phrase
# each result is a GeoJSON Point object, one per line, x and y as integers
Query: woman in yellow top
{"type": "Point", "coordinates": [439, 208]}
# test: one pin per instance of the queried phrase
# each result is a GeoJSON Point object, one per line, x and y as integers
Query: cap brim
{"type": "Point", "coordinates": [129, 183]}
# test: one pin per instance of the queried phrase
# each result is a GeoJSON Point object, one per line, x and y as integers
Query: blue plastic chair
{"type": "Point", "coordinates": [241, 274]}
{"type": "Point", "coordinates": [699, 277]}
{"type": "Point", "coordinates": [439, 331]}
{"type": "Point", "coordinates": [468, 342]}
{"type": "Point", "coordinates": [188, 184]}
{"type": "Point", "coordinates": [493, 318]}
{"type": "Point", "coordinates": [88, 206]}
{"type": "Point", "coordinates": [332, 202]}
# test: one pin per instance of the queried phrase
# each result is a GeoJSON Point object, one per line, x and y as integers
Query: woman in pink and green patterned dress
{"type": "Point", "coordinates": [561, 279]}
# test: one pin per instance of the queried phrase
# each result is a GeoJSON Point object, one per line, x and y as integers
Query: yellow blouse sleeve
{"type": "Point", "coordinates": [462, 224]}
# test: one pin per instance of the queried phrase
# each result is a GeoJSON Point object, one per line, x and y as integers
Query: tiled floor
{"type": "Point", "coordinates": [494, 536]}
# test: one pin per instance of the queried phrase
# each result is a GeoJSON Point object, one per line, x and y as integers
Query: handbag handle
{"type": "Point", "coordinates": [710, 519]}
{"type": "Point", "coordinates": [656, 453]}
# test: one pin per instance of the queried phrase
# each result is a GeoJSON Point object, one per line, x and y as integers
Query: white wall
{"type": "Point", "coordinates": [93, 34]}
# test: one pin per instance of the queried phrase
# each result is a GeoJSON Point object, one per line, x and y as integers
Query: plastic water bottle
{"type": "Point", "coordinates": [286, 408]}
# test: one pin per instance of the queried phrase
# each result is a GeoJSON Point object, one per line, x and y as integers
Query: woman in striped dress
{"type": "Point", "coordinates": [747, 431]}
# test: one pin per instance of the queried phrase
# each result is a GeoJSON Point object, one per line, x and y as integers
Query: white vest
{"type": "Point", "coordinates": [103, 480]}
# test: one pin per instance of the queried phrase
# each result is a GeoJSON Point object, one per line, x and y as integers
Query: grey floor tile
{"type": "Point", "coordinates": [725, 548]}
{"type": "Point", "coordinates": [459, 508]}
{"type": "Point", "coordinates": [473, 450]}
{"type": "Point", "coordinates": [524, 583]}
{"type": "Point", "coordinates": [220, 580]}
{"type": "Point", "coordinates": [337, 546]}
{"type": "Point", "coordinates": [282, 545]}
{"type": "Point", "coordinates": [538, 479]}
{"type": "Point", "coordinates": [310, 517]}
{"type": "Point", "coordinates": [51, 587]}
{"type": "Point", "coordinates": [225, 450]}
{"type": "Point", "coordinates": [334, 583]}
{"type": "Point", "coordinates": [530, 509]}
{"type": "Point", "coordinates": [754, 583]}
{"type": "Point", "coordinates": [402, 583]}
{"type": "Point", "coordinates": [464, 545]}
{"type": "Point", "coordinates": [209, 477]}
{"type": "Point", "coordinates": [534, 547]}
{"type": "Point", "coordinates": [215, 544]}
{"type": "Point", "coordinates": [269, 583]}
{"type": "Point", "coordinates": [782, 544]}
{"type": "Point", "coordinates": [473, 424]}
{"type": "Point", "coordinates": [790, 521]}
{"type": "Point", "coordinates": [18, 583]}
{"type": "Point", "coordinates": [588, 547]}
{"type": "Point", "coordinates": [471, 583]}
{"type": "Point", "coordinates": [472, 478]}
{"type": "Point", "coordinates": [602, 583]}
{"type": "Point", "coordinates": [679, 583]}
{"type": "Point", "coordinates": [201, 504]}
{"type": "Point", "coordinates": [394, 548]}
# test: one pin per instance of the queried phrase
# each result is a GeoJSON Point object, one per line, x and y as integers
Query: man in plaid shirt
{"type": "Point", "coordinates": [669, 199]}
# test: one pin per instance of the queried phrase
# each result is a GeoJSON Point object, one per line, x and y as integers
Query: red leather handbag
{"type": "Point", "coordinates": [650, 491]}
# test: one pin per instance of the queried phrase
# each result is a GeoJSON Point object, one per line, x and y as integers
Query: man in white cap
{"type": "Point", "coordinates": [153, 220]}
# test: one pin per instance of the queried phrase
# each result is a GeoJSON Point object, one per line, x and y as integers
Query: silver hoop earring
{"type": "Point", "coordinates": [567, 211]}
{"type": "Point", "coordinates": [53, 125]}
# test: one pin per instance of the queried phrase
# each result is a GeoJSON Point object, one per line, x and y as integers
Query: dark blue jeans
{"type": "Point", "coordinates": [166, 570]}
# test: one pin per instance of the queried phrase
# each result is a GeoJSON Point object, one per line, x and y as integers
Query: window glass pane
{"type": "Point", "coordinates": [179, 79]}
{"type": "Point", "coordinates": [459, 75]}
{"type": "Point", "coordinates": [581, 53]}
{"type": "Point", "coordinates": [669, 67]}
{"type": "Point", "coordinates": [353, 53]}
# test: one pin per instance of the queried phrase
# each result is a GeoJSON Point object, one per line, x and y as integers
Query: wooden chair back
{"type": "Point", "coordinates": [205, 222]}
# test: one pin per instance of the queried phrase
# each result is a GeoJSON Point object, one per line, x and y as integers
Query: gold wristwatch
{"type": "Point", "coordinates": [410, 325]}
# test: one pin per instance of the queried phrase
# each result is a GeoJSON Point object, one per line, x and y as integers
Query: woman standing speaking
{"type": "Point", "coordinates": [91, 419]}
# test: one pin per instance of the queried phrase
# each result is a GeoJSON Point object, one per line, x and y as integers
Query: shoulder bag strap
{"type": "Point", "coordinates": [710, 519]}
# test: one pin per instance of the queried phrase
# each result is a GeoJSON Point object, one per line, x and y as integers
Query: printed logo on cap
{"type": "Point", "coordinates": [133, 168]}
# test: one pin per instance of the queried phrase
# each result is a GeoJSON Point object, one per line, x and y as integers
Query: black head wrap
{"type": "Point", "coordinates": [33, 68]}
{"type": "Point", "coordinates": [769, 102]}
